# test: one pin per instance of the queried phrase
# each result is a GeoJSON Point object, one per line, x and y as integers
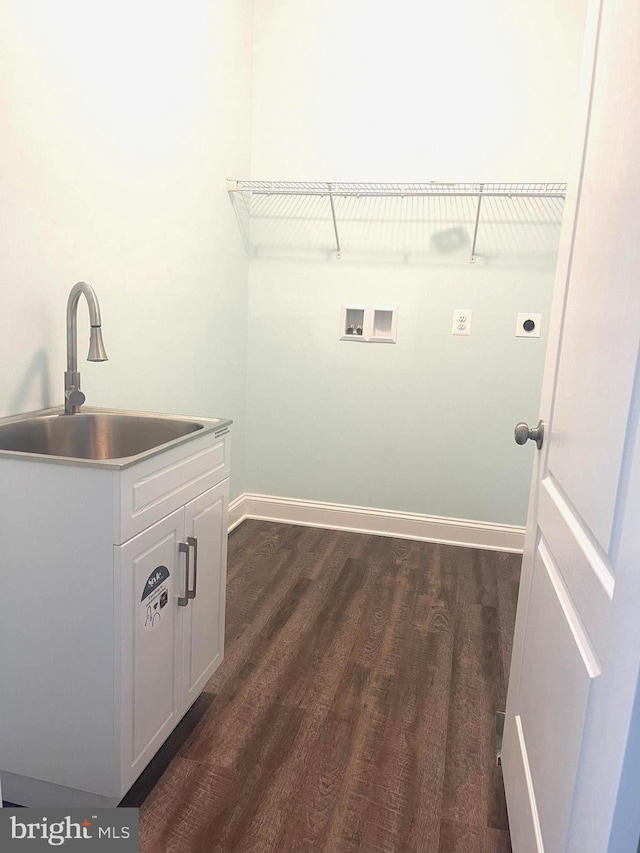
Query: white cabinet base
{"type": "Point", "coordinates": [104, 661]}
{"type": "Point", "coordinates": [35, 793]}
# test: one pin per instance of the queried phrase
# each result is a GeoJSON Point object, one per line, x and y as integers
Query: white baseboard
{"type": "Point", "coordinates": [381, 522]}
{"type": "Point", "coordinates": [237, 513]}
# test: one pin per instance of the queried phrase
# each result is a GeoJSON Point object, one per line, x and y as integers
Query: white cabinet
{"type": "Point", "coordinates": [112, 596]}
{"type": "Point", "coordinates": [172, 599]}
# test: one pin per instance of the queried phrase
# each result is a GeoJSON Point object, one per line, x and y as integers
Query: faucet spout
{"type": "Point", "coordinates": [73, 396]}
{"type": "Point", "coordinates": [97, 351]}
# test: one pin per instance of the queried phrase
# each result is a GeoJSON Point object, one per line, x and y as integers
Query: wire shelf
{"type": "Point", "coordinates": [433, 188]}
{"type": "Point", "coordinates": [407, 218]}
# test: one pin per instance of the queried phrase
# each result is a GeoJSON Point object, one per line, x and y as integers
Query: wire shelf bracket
{"type": "Point", "coordinates": [472, 259]}
{"type": "Point", "coordinates": [335, 224]}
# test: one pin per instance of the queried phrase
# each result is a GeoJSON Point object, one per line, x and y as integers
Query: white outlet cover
{"type": "Point", "coordinates": [521, 319]}
{"type": "Point", "coordinates": [461, 321]}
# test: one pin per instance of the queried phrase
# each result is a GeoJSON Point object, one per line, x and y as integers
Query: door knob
{"type": "Point", "coordinates": [524, 432]}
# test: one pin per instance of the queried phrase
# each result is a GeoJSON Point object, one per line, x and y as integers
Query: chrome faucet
{"type": "Point", "coordinates": [73, 396]}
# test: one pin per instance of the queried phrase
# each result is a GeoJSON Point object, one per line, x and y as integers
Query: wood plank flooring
{"type": "Point", "coordinates": [355, 707]}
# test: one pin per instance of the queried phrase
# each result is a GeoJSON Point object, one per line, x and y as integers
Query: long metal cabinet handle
{"type": "Point", "coordinates": [193, 543]}
{"type": "Point", "coordinates": [183, 600]}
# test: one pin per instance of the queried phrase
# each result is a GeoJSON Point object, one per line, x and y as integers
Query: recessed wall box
{"type": "Point", "coordinates": [369, 323]}
{"type": "Point", "coordinates": [352, 322]}
{"type": "Point", "coordinates": [385, 323]}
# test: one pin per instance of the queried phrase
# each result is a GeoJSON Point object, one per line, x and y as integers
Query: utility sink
{"type": "Point", "coordinates": [98, 435]}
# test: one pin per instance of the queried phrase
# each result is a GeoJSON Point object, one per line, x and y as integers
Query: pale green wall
{"type": "Point", "coordinates": [347, 90]}
{"type": "Point", "coordinates": [425, 425]}
{"type": "Point", "coordinates": [120, 122]}
{"type": "Point", "coordinates": [414, 90]}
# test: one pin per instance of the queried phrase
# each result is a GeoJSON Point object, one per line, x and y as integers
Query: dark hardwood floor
{"type": "Point", "coordinates": [355, 707]}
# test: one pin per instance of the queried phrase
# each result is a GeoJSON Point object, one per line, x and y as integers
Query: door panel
{"type": "Point", "coordinates": [600, 332]}
{"type": "Point", "coordinates": [150, 699]}
{"type": "Point", "coordinates": [560, 666]}
{"type": "Point", "coordinates": [203, 631]}
{"type": "Point", "coordinates": [597, 308]}
{"type": "Point", "coordinates": [526, 836]}
{"type": "Point", "coordinates": [585, 571]}
{"type": "Point", "coordinates": [553, 750]}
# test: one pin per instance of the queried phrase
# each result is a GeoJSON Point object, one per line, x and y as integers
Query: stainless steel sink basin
{"type": "Point", "coordinates": [95, 435]}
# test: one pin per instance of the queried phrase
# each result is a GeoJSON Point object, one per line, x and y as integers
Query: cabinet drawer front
{"type": "Point", "coordinates": [157, 486]}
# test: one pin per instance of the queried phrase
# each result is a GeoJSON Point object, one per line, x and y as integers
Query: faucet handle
{"type": "Point", "coordinates": [75, 397]}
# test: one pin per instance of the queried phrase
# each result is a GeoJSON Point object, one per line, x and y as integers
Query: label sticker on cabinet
{"type": "Point", "coordinates": [155, 597]}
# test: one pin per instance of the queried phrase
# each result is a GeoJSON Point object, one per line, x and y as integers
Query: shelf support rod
{"type": "Point", "coordinates": [335, 224]}
{"type": "Point", "coordinates": [472, 260]}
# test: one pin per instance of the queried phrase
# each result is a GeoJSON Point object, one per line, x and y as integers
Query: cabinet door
{"type": "Point", "coordinates": [203, 625]}
{"type": "Point", "coordinates": [152, 578]}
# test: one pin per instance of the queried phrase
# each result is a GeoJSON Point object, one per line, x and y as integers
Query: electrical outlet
{"type": "Point", "coordinates": [528, 325]}
{"type": "Point", "coordinates": [461, 321]}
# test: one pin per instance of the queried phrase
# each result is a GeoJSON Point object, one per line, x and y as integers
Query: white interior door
{"type": "Point", "coordinates": [569, 751]}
